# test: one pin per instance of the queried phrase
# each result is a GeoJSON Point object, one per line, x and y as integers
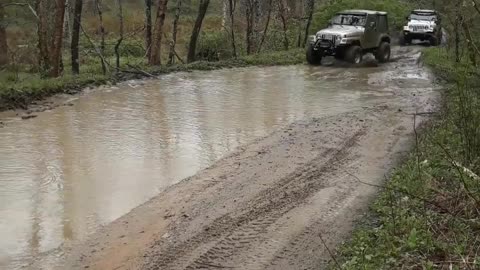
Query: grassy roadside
{"type": "Point", "coordinates": [26, 88]}
{"type": "Point", "coordinates": [428, 214]}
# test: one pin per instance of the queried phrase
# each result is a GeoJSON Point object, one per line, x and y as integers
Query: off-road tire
{"type": "Point", "coordinates": [433, 41]}
{"type": "Point", "coordinates": [340, 55]}
{"type": "Point", "coordinates": [354, 54]}
{"type": "Point", "coordinates": [403, 40]}
{"type": "Point", "coordinates": [383, 52]}
{"type": "Point", "coordinates": [440, 37]}
{"type": "Point", "coordinates": [313, 57]}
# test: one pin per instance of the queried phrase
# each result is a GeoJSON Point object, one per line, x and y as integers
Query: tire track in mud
{"type": "Point", "coordinates": [266, 205]}
{"type": "Point", "coordinates": [231, 233]}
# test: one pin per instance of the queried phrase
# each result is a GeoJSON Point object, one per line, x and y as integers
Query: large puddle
{"type": "Point", "coordinates": [75, 168]}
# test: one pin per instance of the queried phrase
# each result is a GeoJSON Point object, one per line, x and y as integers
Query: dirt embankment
{"type": "Point", "coordinates": [275, 203]}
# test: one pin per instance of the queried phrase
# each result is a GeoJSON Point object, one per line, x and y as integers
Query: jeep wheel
{"type": "Point", "coordinates": [433, 41]}
{"type": "Point", "coordinates": [354, 54]}
{"type": "Point", "coordinates": [313, 57]}
{"type": "Point", "coordinates": [441, 40]}
{"type": "Point", "coordinates": [383, 52]}
{"type": "Point", "coordinates": [403, 40]}
{"type": "Point", "coordinates": [340, 55]}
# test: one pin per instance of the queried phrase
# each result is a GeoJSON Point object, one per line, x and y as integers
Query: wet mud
{"type": "Point", "coordinates": [240, 169]}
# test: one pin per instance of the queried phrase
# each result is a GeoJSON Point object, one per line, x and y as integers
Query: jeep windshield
{"type": "Point", "coordinates": [423, 16]}
{"type": "Point", "coordinates": [349, 19]}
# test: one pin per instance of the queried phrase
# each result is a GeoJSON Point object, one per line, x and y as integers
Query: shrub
{"type": "Point", "coordinates": [214, 46]}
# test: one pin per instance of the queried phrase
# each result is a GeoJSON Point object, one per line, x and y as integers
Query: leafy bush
{"type": "Point", "coordinates": [214, 46]}
{"type": "Point", "coordinates": [427, 217]}
{"type": "Point", "coordinates": [464, 100]}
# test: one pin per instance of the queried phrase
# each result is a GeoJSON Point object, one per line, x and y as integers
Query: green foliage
{"type": "Point", "coordinates": [397, 10]}
{"type": "Point", "coordinates": [464, 99]}
{"type": "Point", "coordinates": [411, 232]}
{"type": "Point", "coordinates": [213, 46]}
{"type": "Point", "coordinates": [20, 94]}
{"type": "Point", "coordinates": [427, 217]}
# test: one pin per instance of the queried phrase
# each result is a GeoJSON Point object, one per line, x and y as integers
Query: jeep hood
{"type": "Point", "coordinates": [347, 30]}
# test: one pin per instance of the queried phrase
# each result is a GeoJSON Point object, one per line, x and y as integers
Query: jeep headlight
{"type": "Point", "coordinates": [312, 38]}
{"type": "Point", "coordinates": [406, 28]}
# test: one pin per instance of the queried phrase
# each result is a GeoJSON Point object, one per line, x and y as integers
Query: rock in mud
{"type": "Point", "coordinates": [30, 116]}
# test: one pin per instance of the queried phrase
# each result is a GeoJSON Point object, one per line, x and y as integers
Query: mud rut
{"type": "Point", "coordinates": [276, 202]}
{"type": "Point", "coordinates": [237, 233]}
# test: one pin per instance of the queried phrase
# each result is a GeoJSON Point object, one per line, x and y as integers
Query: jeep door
{"type": "Point", "coordinates": [371, 36]}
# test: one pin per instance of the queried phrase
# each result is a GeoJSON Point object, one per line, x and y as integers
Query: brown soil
{"type": "Point", "coordinates": [276, 203]}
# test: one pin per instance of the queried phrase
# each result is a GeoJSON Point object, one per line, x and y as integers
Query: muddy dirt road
{"type": "Point", "coordinates": [294, 138]}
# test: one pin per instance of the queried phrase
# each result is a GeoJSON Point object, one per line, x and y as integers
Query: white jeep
{"type": "Point", "coordinates": [423, 25]}
{"type": "Point", "coordinates": [351, 34]}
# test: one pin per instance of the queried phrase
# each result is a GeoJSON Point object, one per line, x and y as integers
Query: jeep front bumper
{"type": "Point", "coordinates": [331, 47]}
{"type": "Point", "coordinates": [418, 35]}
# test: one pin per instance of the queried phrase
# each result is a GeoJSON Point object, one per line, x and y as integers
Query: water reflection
{"type": "Point", "coordinates": [73, 169]}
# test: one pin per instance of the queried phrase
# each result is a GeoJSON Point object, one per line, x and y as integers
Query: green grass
{"type": "Point", "coordinates": [18, 89]}
{"type": "Point", "coordinates": [32, 87]}
{"type": "Point", "coordinates": [427, 216]}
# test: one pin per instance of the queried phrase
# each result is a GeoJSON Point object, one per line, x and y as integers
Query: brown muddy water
{"type": "Point", "coordinates": [75, 168]}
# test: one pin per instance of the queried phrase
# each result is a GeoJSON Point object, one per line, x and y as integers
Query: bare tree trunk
{"type": "Point", "coordinates": [3, 39]}
{"type": "Point", "coordinates": [249, 16]}
{"type": "Point", "coordinates": [257, 18]}
{"type": "Point", "coordinates": [98, 7]}
{"type": "Point", "coordinates": [282, 12]}
{"type": "Point", "coordinates": [225, 12]}
{"type": "Point", "coordinates": [67, 25]}
{"type": "Point", "coordinates": [42, 32]}
{"type": "Point", "coordinates": [311, 8]}
{"type": "Point", "coordinates": [267, 24]}
{"type": "Point", "coordinates": [171, 55]}
{"type": "Point", "coordinates": [77, 20]}
{"type": "Point", "coordinates": [56, 54]}
{"type": "Point", "coordinates": [120, 38]}
{"type": "Point", "coordinates": [202, 10]}
{"type": "Point", "coordinates": [231, 10]}
{"type": "Point", "coordinates": [148, 26]}
{"type": "Point", "coordinates": [299, 37]}
{"type": "Point", "coordinates": [155, 54]}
